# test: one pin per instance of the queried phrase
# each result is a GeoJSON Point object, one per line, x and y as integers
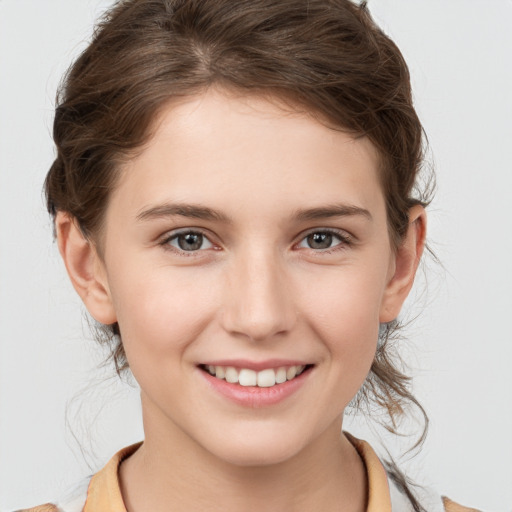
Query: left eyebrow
{"type": "Point", "coordinates": [182, 210]}
{"type": "Point", "coordinates": [337, 210]}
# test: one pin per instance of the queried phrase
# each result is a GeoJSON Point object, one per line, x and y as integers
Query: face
{"type": "Point", "coordinates": [248, 242]}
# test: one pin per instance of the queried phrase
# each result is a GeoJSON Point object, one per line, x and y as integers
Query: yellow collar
{"type": "Point", "coordinates": [104, 491]}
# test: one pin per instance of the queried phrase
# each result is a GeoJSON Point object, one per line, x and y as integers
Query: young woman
{"type": "Point", "coordinates": [235, 201]}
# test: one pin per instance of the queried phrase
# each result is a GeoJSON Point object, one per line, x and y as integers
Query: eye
{"type": "Point", "coordinates": [188, 241]}
{"type": "Point", "coordinates": [324, 240]}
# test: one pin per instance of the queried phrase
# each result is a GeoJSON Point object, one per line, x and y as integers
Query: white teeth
{"type": "Point", "coordinates": [281, 375]}
{"type": "Point", "coordinates": [263, 379]}
{"type": "Point", "coordinates": [247, 377]}
{"type": "Point", "coordinates": [266, 378]}
{"type": "Point", "coordinates": [231, 375]}
{"type": "Point", "coordinates": [291, 372]}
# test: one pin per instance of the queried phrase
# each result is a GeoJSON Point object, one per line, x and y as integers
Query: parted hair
{"type": "Point", "coordinates": [326, 57]}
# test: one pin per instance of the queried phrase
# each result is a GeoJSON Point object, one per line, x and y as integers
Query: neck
{"type": "Point", "coordinates": [170, 468]}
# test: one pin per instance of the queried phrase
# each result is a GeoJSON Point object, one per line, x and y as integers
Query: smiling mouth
{"type": "Point", "coordinates": [264, 379]}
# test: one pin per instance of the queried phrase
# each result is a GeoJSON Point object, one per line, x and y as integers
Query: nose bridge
{"type": "Point", "coordinates": [260, 303]}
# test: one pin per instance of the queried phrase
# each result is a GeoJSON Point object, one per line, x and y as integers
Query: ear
{"type": "Point", "coordinates": [85, 268]}
{"type": "Point", "coordinates": [406, 261]}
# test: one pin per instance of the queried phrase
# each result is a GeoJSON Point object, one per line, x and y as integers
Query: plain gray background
{"type": "Point", "coordinates": [460, 56]}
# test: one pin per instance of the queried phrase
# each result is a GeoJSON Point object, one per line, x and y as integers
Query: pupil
{"type": "Point", "coordinates": [190, 241]}
{"type": "Point", "coordinates": [320, 240]}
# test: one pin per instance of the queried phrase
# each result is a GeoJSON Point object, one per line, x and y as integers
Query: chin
{"type": "Point", "coordinates": [260, 449]}
{"type": "Point", "coordinates": [257, 456]}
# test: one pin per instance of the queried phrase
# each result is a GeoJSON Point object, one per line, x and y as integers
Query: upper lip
{"type": "Point", "coordinates": [255, 365]}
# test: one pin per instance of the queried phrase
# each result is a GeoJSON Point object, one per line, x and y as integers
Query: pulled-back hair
{"type": "Point", "coordinates": [327, 57]}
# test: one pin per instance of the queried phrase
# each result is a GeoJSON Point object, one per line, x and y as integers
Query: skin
{"type": "Point", "coordinates": [256, 290]}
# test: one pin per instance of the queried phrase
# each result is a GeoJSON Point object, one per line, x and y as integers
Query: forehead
{"type": "Point", "coordinates": [220, 147]}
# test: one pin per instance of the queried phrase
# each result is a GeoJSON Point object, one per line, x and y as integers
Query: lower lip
{"type": "Point", "coordinates": [254, 396]}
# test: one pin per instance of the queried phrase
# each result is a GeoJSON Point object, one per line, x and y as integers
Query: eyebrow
{"type": "Point", "coordinates": [336, 210]}
{"type": "Point", "coordinates": [183, 210]}
{"type": "Point", "coordinates": [202, 212]}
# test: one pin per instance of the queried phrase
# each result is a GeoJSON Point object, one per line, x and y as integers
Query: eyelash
{"type": "Point", "coordinates": [166, 242]}
{"type": "Point", "coordinates": [345, 240]}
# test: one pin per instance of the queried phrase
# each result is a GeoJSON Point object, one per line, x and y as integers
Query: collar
{"type": "Point", "coordinates": [104, 492]}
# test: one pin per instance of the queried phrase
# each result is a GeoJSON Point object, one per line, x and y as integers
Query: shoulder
{"type": "Point", "coordinates": [72, 501]}
{"type": "Point", "coordinates": [451, 506]}
{"type": "Point", "coordinates": [390, 486]}
{"type": "Point", "coordinates": [100, 491]}
{"type": "Point", "coordinates": [48, 507]}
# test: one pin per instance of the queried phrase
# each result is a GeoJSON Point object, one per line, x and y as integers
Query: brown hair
{"type": "Point", "coordinates": [325, 56]}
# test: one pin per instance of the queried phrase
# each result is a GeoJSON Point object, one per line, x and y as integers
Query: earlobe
{"type": "Point", "coordinates": [85, 268]}
{"type": "Point", "coordinates": [407, 259]}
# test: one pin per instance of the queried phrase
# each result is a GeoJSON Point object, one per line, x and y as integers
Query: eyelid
{"type": "Point", "coordinates": [166, 238]}
{"type": "Point", "coordinates": [346, 239]}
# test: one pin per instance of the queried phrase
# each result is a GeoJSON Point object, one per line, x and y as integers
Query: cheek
{"type": "Point", "coordinates": [162, 311]}
{"type": "Point", "coordinates": [345, 314]}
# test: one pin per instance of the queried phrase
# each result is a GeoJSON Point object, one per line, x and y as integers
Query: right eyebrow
{"type": "Point", "coordinates": [183, 210]}
{"type": "Point", "coordinates": [336, 210]}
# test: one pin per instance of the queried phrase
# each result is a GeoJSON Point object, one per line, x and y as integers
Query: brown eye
{"type": "Point", "coordinates": [190, 241]}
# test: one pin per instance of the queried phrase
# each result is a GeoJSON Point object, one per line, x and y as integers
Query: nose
{"type": "Point", "coordinates": [259, 300]}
